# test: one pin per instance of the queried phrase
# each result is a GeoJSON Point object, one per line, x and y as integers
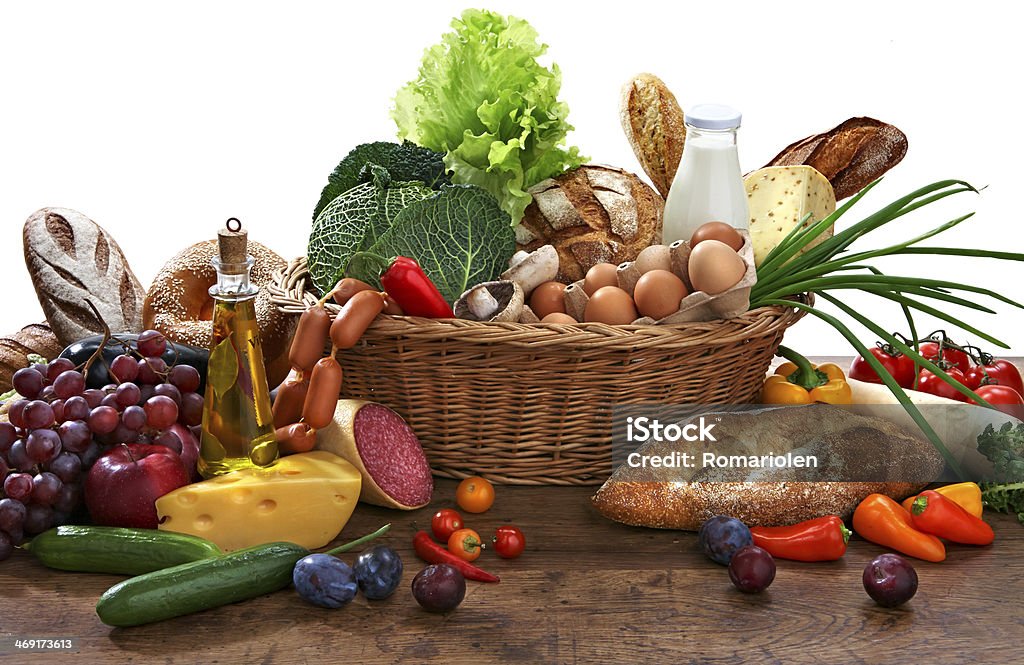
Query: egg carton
{"type": "Point", "coordinates": [697, 306]}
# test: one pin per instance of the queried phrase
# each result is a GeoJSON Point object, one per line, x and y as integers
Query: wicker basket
{"type": "Point", "coordinates": [530, 404]}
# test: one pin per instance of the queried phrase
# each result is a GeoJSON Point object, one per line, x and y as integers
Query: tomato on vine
{"type": "Point", "coordinates": [953, 355]}
{"type": "Point", "coordinates": [994, 371]}
{"type": "Point", "coordinates": [927, 382]}
{"type": "Point", "coordinates": [899, 366]}
{"type": "Point", "coordinates": [1004, 398]}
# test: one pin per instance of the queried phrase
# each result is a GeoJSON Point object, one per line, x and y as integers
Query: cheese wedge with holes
{"type": "Point", "coordinates": [778, 198]}
{"type": "Point", "coordinates": [304, 499]}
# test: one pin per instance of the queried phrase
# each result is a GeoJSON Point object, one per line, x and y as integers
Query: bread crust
{"type": "Point", "coordinates": [653, 123]}
{"type": "Point", "coordinates": [14, 350]}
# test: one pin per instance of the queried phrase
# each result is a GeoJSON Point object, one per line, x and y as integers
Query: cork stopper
{"type": "Point", "coordinates": [234, 247]}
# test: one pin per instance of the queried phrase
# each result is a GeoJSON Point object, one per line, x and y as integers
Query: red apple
{"type": "Point", "coordinates": [124, 483]}
{"type": "Point", "coordinates": [189, 449]}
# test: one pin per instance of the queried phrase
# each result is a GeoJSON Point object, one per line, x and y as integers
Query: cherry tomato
{"type": "Point", "coordinates": [1004, 398]}
{"type": "Point", "coordinates": [465, 544]}
{"type": "Point", "coordinates": [995, 371]}
{"type": "Point", "coordinates": [509, 542]}
{"type": "Point", "coordinates": [930, 383]}
{"type": "Point", "coordinates": [899, 366]}
{"type": "Point", "coordinates": [955, 357]}
{"type": "Point", "coordinates": [444, 523]}
{"type": "Point", "coordinates": [475, 495]}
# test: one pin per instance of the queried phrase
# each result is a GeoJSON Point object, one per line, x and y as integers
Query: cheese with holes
{"type": "Point", "coordinates": [304, 499]}
{"type": "Point", "coordinates": [778, 198]}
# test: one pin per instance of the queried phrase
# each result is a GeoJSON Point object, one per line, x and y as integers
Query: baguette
{"type": "Point", "coordinates": [879, 458]}
{"type": "Point", "coordinates": [653, 123]}
{"type": "Point", "coordinates": [850, 155]}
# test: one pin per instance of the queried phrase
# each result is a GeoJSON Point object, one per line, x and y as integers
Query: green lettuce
{"type": "Point", "coordinates": [482, 98]}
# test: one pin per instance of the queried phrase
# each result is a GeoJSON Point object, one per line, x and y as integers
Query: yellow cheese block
{"type": "Point", "coordinates": [304, 499]}
{"type": "Point", "coordinates": [778, 198]}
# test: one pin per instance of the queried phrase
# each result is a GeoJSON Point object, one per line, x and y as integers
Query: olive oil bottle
{"type": "Point", "coordinates": [238, 430]}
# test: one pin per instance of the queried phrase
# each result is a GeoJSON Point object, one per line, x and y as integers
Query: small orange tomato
{"type": "Point", "coordinates": [465, 544]}
{"type": "Point", "coordinates": [475, 495]}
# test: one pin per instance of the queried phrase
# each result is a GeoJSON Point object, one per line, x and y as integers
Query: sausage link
{"type": "Point", "coordinates": [297, 438]}
{"type": "Point", "coordinates": [290, 398]}
{"type": "Point", "coordinates": [310, 339]}
{"type": "Point", "coordinates": [393, 308]}
{"type": "Point", "coordinates": [355, 317]}
{"type": "Point", "coordinates": [347, 288]}
{"type": "Point", "coordinates": [322, 396]}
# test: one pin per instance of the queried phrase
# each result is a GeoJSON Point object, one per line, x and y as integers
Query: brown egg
{"type": "Point", "coordinates": [719, 231]}
{"type": "Point", "coordinates": [655, 257]}
{"type": "Point", "coordinates": [610, 305]}
{"type": "Point", "coordinates": [715, 267]}
{"type": "Point", "coordinates": [558, 317]}
{"type": "Point", "coordinates": [657, 294]}
{"type": "Point", "coordinates": [601, 274]}
{"type": "Point", "coordinates": [547, 298]}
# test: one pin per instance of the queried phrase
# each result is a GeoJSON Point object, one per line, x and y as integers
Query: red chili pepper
{"type": "Point", "coordinates": [820, 539]}
{"type": "Point", "coordinates": [407, 284]}
{"type": "Point", "coordinates": [940, 516]}
{"type": "Point", "coordinates": [431, 552]}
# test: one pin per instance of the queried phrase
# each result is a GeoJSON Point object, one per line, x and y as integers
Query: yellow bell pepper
{"type": "Point", "coordinates": [966, 495]}
{"type": "Point", "coordinates": [799, 382]}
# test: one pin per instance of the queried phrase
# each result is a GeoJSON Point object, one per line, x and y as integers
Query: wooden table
{"type": "Point", "coordinates": [587, 590]}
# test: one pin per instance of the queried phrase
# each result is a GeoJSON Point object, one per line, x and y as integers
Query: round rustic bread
{"type": "Point", "coordinates": [179, 304]}
{"type": "Point", "coordinates": [593, 214]}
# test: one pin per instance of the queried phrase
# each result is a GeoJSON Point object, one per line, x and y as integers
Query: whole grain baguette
{"type": "Point", "coordinates": [71, 259]}
{"type": "Point", "coordinates": [850, 155]}
{"type": "Point", "coordinates": [653, 122]}
{"type": "Point", "coordinates": [14, 350]}
{"type": "Point", "coordinates": [877, 456]}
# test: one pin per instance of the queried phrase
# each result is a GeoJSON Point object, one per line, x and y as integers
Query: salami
{"type": "Point", "coordinates": [379, 443]}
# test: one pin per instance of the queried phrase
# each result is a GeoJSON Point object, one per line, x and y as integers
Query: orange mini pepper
{"type": "Point", "coordinates": [966, 495]}
{"type": "Point", "coordinates": [938, 515]}
{"type": "Point", "coordinates": [800, 382]}
{"type": "Point", "coordinates": [881, 520]}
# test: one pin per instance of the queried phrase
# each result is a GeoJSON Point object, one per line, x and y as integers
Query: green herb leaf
{"type": "Point", "coordinates": [1004, 498]}
{"type": "Point", "coordinates": [223, 367]}
{"type": "Point", "coordinates": [459, 236]}
{"type": "Point", "coordinates": [1005, 449]}
{"type": "Point", "coordinates": [404, 162]}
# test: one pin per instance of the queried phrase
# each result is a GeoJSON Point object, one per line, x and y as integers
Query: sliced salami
{"type": "Point", "coordinates": [379, 443]}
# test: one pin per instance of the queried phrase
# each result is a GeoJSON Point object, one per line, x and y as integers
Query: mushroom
{"type": "Point", "coordinates": [531, 270]}
{"type": "Point", "coordinates": [491, 301]}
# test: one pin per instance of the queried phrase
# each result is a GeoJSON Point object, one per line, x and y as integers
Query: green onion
{"type": "Point", "coordinates": [794, 267]}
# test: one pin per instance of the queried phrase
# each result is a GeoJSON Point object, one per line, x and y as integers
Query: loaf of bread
{"type": "Point", "coordinates": [591, 215]}
{"type": "Point", "coordinates": [653, 122]}
{"type": "Point", "coordinates": [879, 457]}
{"type": "Point", "coordinates": [72, 260]}
{"type": "Point", "coordinates": [15, 349]}
{"type": "Point", "coordinates": [851, 155]}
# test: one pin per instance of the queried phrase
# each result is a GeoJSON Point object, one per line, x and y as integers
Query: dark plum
{"type": "Point", "coordinates": [378, 572]}
{"type": "Point", "coordinates": [721, 537]}
{"type": "Point", "coordinates": [439, 588]}
{"type": "Point", "coordinates": [752, 569]}
{"type": "Point", "coordinates": [324, 580]}
{"type": "Point", "coordinates": [890, 580]}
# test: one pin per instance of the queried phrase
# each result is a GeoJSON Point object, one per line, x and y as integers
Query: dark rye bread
{"type": "Point", "coordinates": [15, 349]}
{"type": "Point", "coordinates": [851, 155]}
{"type": "Point", "coordinates": [70, 260]}
{"type": "Point", "coordinates": [658, 499]}
{"type": "Point", "coordinates": [593, 214]}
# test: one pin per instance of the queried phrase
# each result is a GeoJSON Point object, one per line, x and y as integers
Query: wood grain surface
{"type": "Point", "coordinates": [587, 590]}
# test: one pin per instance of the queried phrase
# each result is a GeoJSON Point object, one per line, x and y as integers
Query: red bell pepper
{"type": "Point", "coordinates": [940, 516]}
{"type": "Point", "coordinates": [431, 552]}
{"type": "Point", "coordinates": [407, 284]}
{"type": "Point", "coordinates": [819, 539]}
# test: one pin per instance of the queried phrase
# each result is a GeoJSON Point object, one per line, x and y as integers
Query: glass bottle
{"type": "Point", "coordinates": [708, 186]}
{"type": "Point", "coordinates": [237, 429]}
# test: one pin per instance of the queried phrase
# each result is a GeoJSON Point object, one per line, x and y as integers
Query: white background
{"type": "Point", "coordinates": [159, 121]}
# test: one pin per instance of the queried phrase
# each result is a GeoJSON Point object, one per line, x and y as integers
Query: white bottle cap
{"type": "Point", "coordinates": [713, 116]}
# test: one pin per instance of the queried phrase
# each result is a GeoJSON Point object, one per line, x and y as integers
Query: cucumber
{"type": "Point", "coordinates": [200, 585]}
{"type": "Point", "coordinates": [101, 549]}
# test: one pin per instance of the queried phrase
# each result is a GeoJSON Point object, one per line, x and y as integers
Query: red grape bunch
{"type": "Point", "coordinates": [58, 428]}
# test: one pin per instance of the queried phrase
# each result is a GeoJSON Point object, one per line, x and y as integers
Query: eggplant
{"type": "Point", "coordinates": [176, 354]}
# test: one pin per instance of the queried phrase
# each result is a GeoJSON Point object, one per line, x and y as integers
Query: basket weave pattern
{"type": "Point", "coordinates": [530, 404]}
